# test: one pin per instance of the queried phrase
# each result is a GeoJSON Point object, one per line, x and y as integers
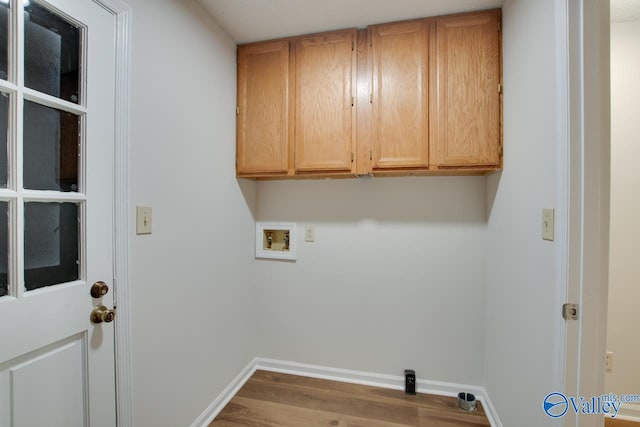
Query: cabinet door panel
{"type": "Point", "coordinates": [263, 106]}
{"type": "Point", "coordinates": [324, 123]}
{"type": "Point", "coordinates": [400, 95]}
{"type": "Point", "coordinates": [467, 106]}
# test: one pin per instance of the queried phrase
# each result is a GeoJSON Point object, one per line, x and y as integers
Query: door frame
{"type": "Point", "coordinates": [121, 297]}
{"type": "Point", "coordinates": [584, 190]}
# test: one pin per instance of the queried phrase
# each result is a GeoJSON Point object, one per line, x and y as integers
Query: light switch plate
{"type": "Point", "coordinates": [144, 219]}
{"type": "Point", "coordinates": [309, 233]}
{"type": "Point", "coordinates": [548, 224]}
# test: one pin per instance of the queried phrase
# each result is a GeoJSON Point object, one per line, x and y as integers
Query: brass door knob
{"type": "Point", "coordinates": [102, 314]}
{"type": "Point", "coordinates": [99, 289]}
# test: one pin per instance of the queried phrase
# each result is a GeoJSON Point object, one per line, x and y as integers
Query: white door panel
{"type": "Point", "coordinates": [56, 367]}
{"type": "Point", "coordinates": [35, 386]}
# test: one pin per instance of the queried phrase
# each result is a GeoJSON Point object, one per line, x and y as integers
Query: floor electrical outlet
{"type": "Point", "coordinates": [409, 381]}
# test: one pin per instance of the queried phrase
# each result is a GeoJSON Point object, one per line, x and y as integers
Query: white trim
{"type": "Point", "coordinates": [346, 376]}
{"type": "Point", "coordinates": [223, 398]}
{"type": "Point", "coordinates": [341, 375]}
{"type": "Point", "coordinates": [589, 132]}
{"type": "Point", "coordinates": [53, 102]}
{"type": "Point", "coordinates": [363, 378]}
{"type": "Point", "coordinates": [574, 198]}
{"type": "Point", "coordinates": [629, 412]}
{"type": "Point", "coordinates": [563, 165]}
{"type": "Point", "coordinates": [51, 196]}
{"type": "Point", "coordinates": [122, 15]}
{"type": "Point", "coordinates": [490, 410]}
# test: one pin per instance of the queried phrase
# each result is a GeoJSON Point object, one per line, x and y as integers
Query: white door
{"type": "Point", "coordinates": [57, 74]}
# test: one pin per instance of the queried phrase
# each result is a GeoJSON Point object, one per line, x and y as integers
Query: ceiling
{"type": "Point", "coordinates": [252, 20]}
{"type": "Point", "coordinates": [625, 10]}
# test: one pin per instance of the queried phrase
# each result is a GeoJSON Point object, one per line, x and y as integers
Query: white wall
{"type": "Point", "coordinates": [395, 279]}
{"type": "Point", "coordinates": [445, 275]}
{"type": "Point", "coordinates": [624, 273]}
{"type": "Point", "coordinates": [522, 307]}
{"type": "Point", "coordinates": [193, 299]}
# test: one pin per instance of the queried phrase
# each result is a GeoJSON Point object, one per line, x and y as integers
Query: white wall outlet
{"type": "Point", "coordinates": [547, 224]}
{"type": "Point", "coordinates": [144, 219]}
{"type": "Point", "coordinates": [309, 233]}
{"type": "Point", "coordinates": [608, 361]}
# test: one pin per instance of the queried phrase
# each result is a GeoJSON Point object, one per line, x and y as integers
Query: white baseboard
{"type": "Point", "coordinates": [223, 398]}
{"type": "Point", "coordinates": [629, 412]}
{"type": "Point", "coordinates": [490, 410]}
{"type": "Point", "coordinates": [343, 375]}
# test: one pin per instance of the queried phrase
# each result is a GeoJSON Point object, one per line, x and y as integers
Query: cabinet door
{"type": "Point", "coordinates": [263, 108]}
{"type": "Point", "coordinates": [400, 94]}
{"type": "Point", "coordinates": [467, 99]}
{"type": "Point", "coordinates": [325, 118]}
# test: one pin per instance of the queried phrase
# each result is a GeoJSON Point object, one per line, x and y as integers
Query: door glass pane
{"type": "Point", "coordinates": [4, 127]}
{"type": "Point", "coordinates": [50, 148]}
{"type": "Point", "coordinates": [51, 53]}
{"type": "Point", "coordinates": [4, 248]}
{"type": "Point", "coordinates": [51, 245]}
{"type": "Point", "coordinates": [4, 38]}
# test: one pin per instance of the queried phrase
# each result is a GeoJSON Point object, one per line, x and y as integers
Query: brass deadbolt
{"type": "Point", "coordinates": [99, 289]}
{"type": "Point", "coordinates": [102, 314]}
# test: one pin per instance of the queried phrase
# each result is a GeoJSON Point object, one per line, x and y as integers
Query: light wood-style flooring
{"type": "Point", "coordinates": [278, 400]}
{"type": "Point", "coordinates": [617, 422]}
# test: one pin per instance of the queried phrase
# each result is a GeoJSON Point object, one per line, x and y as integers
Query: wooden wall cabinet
{"type": "Point", "coordinates": [428, 101]}
{"type": "Point", "coordinates": [400, 94]}
{"type": "Point", "coordinates": [324, 138]}
{"type": "Point", "coordinates": [466, 102]}
{"type": "Point", "coordinates": [295, 112]}
{"type": "Point", "coordinates": [262, 125]}
{"type": "Point", "coordinates": [436, 105]}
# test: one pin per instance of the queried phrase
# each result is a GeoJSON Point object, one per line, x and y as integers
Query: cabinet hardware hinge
{"type": "Point", "coordinates": [570, 311]}
{"type": "Point", "coordinates": [499, 88]}
{"type": "Point", "coordinates": [237, 110]}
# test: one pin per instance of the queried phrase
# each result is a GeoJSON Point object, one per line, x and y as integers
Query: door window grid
{"type": "Point", "coordinates": [15, 195]}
